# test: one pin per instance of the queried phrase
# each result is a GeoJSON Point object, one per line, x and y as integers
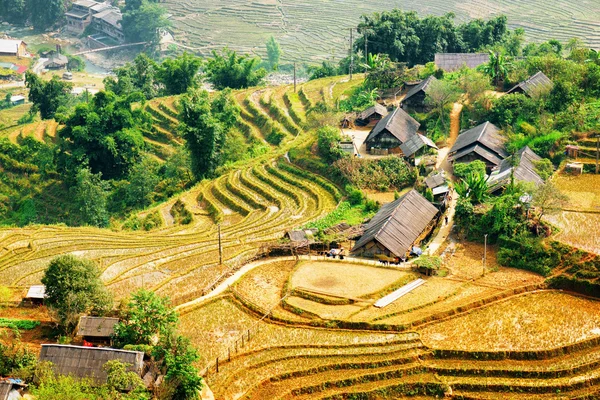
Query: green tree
{"type": "Point", "coordinates": [91, 194]}
{"type": "Point", "coordinates": [146, 319]}
{"type": "Point", "coordinates": [548, 199]}
{"type": "Point", "coordinates": [273, 53]}
{"type": "Point", "coordinates": [73, 287]}
{"type": "Point", "coordinates": [328, 143]}
{"type": "Point", "coordinates": [48, 96]}
{"type": "Point", "coordinates": [230, 70]}
{"type": "Point", "coordinates": [45, 13]}
{"type": "Point", "coordinates": [141, 76]}
{"type": "Point", "coordinates": [119, 380]}
{"type": "Point", "coordinates": [497, 68]}
{"type": "Point", "coordinates": [13, 11]}
{"type": "Point", "coordinates": [382, 73]}
{"type": "Point", "coordinates": [180, 74]}
{"type": "Point", "coordinates": [143, 178]}
{"type": "Point", "coordinates": [142, 24]}
{"type": "Point", "coordinates": [544, 168]}
{"type": "Point", "coordinates": [440, 94]}
{"type": "Point", "coordinates": [473, 83]}
{"type": "Point", "coordinates": [463, 170]}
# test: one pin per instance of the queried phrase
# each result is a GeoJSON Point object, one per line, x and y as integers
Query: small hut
{"type": "Point", "coordinates": [533, 86]}
{"type": "Point", "coordinates": [397, 227]}
{"type": "Point", "coordinates": [454, 61]}
{"type": "Point", "coordinates": [521, 170]}
{"type": "Point", "coordinates": [8, 384]}
{"type": "Point", "coordinates": [87, 362]}
{"type": "Point", "coordinates": [97, 330]}
{"type": "Point", "coordinates": [415, 98]}
{"type": "Point", "coordinates": [57, 61]}
{"type": "Point", "coordinates": [484, 142]}
{"type": "Point", "coordinates": [372, 115]}
{"type": "Point", "coordinates": [36, 294]}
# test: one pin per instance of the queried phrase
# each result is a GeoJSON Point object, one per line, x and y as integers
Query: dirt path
{"type": "Point", "coordinates": [454, 123]}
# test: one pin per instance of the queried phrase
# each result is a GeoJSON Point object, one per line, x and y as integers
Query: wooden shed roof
{"type": "Point", "coordinates": [421, 87]}
{"type": "Point", "coordinates": [399, 123]}
{"type": "Point", "coordinates": [534, 84]}
{"type": "Point", "coordinates": [484, 139]}
{"type": "Point", "coordinates": [398, 224]}
{"type": "Point", "coordinates": [376, 109]}
{"type": "Point", "coordinates": [435, 180]}
{"type": "Point", "coordinates": [525, 171]}
{"type": "Point", "coordinates": [87, 362]}
{"type": "Point", "coordinates": [101, 327]}
{"type": "Point", "coordinates": [453, 61]}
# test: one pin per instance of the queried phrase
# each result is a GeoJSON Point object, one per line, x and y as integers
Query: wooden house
{"type": "Point", "coordinates": [521, 170]}
{"type": "Point", "coordinates": [15, 48]}
{"type": "Point", "coordinates": [415, 98]}
{"type": "Point", "coordinates": [57, 61]}
{"type": "Point", "coordinates": [371, 116]}
{"type": "Point", "coordinates": [397, 227]}
{"type": "Point", "coordinates": [36, 294]}
{"type": "Point", "coordinates": [87, 362]}
{"type": "Point", "coordinates": [397, 133]}
{"type": "Point", "coordinates": [438, 185]}
{"type": "Point", "coordinates": [98, 330]}
{"type": "Point", "coordinates": [484, 142]}
{"type": "Point", "coordinates": [454, 61]}
{"type": "Point", "coordinates": [7, 385]}
{"type": "Point", "coordinates": [533, 86]}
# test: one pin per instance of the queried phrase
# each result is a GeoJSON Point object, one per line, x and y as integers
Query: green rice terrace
{"type": "Point", "coordinates": [308, 329]}
{"type": "Point", "coordinates": [306, 33]}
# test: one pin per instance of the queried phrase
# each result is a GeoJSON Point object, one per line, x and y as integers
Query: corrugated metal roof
{"type": "Point", "coordinates": [454, 61]}
{"type": "Point", "coordinates": [87, 362]}
{"type": "Point", "coordinates": [401, 125]}
{"type": "Point", "coordinates": [533, 85]}
{"type": "Point", "coordinates": [423, 86]}
{"type": "Point", "coordinates": [36, 292]}
{"type": "Point", "coordinates": [398, 224]}
{"type": "Point", "coordinates": [102, 327]}
{"type": "Point", "coordinates": [435, 180]}
{"type": "Point", "coordinates": [524, 172]}
{"type": "Point", "coordinates": [376, 109]}
{"type": "Point", "coordinates": [9, 46]}
{"type": "Point", "coordinates": [111, 16]}
{"type": "Point", "coordinates": [485, 139]}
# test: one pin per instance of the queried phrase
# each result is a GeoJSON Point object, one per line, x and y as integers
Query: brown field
{"type": "Point", "coordinates": [534, 321]}
{"type": "Point", "coordinates": [583, 191]}
{"type": "Point", "coordinates": [578, 229]}
{"type": "Point", "coordinates": [344, 279]}
{"type": "Point", "coordinates": [263, 284]}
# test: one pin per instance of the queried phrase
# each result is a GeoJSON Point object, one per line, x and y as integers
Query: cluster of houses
{"type": "Point", "coordinates": [103, 17]}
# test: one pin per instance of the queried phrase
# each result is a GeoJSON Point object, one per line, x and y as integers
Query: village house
{"type": "Point", "coordinates": [57, 61]}
{"type": "Point", "coordinates": [372, 115]}
{"type": "Point", "coordinates": [438, 185]}
{"type": "Point", "coordinates": [397, 227]}
{"type": "Point", "coordinates": [97, 330]}
{"type": "Point", "coordinates": [397, 133]}
{"type": "Point", "coordinates": [533, 86]}
{"type": "Point", "coordinates": [15, 48]}
{"type": "Point", "coordinates": [87, 362]}
{"type": "Point", "coordinates": [79, 16]}
{"type": "Point", "coordinates": [36, 294]}
{"type": "Point", "coordinates": [524, 171]}
{"type": "Point", "coordinates": [484, 142]}
{"type": "Point", "coordinates": [108, 22]}
{"type": "Point", "coordinates": [454, 61]}
{"type": "Point", "coordinates": [415, 98]}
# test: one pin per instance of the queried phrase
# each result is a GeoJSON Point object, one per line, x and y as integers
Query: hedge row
{"type": "Point", "coordinates": [273, 134]}
{"type": "Point", "coordinates": [247, 197]}
{"type": "Point", "coordinates": [292, 111]}
{"type": "Point", "coordinates": [304, 99]}
{"type": "Point", "coordinates": [213, 210]}
{"type": "Point", "coordinates": [278, 114]}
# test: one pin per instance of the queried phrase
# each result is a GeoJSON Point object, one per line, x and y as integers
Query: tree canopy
{"type": "Point", "coordinates": [273, 53]}
{"type": "Point", "coordinates": [142, 20]}
{"type": "Point", "coordinates": [47, 96]}
{"type": "Point", "coordinates": [231, 70]}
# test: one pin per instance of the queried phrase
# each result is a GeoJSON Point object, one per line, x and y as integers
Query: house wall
{"type": "Point", "coordinates": [78, 25]}
{"type": "Point", "coordinates": [372, 249]}
{"type": "Point", "coordinates": [416, 102]}
{"type": "Point", "coordinates": [474, 156]}
{"type": "Point", "coordinates": [383, 141]}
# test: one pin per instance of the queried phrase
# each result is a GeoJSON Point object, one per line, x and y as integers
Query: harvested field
{"type": "Point", "coordinates": [263, 284]}
{"type": "Point", "coordinates": [344, 279]}
{"type": "Point", "coordinates": [578, 229]}
{"type": "Point", "coordinates": [535, 321]}
{"type": "Point", "coordinates": [583, 191]}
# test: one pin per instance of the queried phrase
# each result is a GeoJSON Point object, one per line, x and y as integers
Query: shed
{"type": "Point", "coordinates": [11, 47]}
{"type": "Point", "coordinates": [533, 86]}
{"type": "Point", "coordinates": [36, 294]}
{"type": "Point", "coordinates": [435, 180]}
{"type": "Point", "coordinates": [96, 329]}
{"type": "Point", "coordinates": [415, 98]}
{"type": "Point", "coordinates": [87, 362]}
{"type": "Point", "coordinates": [484, 142]}
{"type": "Point", "coordinates": [372, 115]}
{"type": "Point", "coordinates": [524, 171]}
{"type": "Point", "coordinates": [7, 384]}
{"type": "Point", "coordinates": [300, 236]}
{"type": "Point", "coordinates": [454, 61]}
{"type": "Point", "coordinates": [16, 100]}
{"type": "Point", "coordinates": [397, 227]}
{"type": "Point", "coordinates": [397, 133]}
{"type": "Point", "coordinates": [56, 61]}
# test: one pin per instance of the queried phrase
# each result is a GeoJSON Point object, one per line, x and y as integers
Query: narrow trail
{"type": "Point", "coordinates": [454, 123]}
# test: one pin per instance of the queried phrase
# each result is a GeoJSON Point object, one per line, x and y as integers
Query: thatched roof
{"type": "Point", "coordinates": [398, 224]}
{"type": "Point", "coordinates": [398, 123]}
{"type": "Point", "coordinates": [524, 172]}
{"type": "Point", "coordinates": [435, 180]}
{"type": "Point", "coordinates": [484, 140]}
{"type": "Point", "coordinates": [376, 109]}
{"type": "Point", "coordinates": [533, 85]}
{"type": "Point", "coordinates": [421, 87]}
{"type": "Point", "coordinates": [454, 61]}
{"type": "Point", "coordinates": [100, 327]}
{"type": "Point", "coordinates": [87, 362]}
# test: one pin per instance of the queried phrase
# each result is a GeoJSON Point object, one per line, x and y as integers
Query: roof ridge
{"type": "Point", "coordinates": [387, 123]}
{"type": "Point", "coordinates": [391, 214]}
{"type": "Point", "coordinates": [485, 125]}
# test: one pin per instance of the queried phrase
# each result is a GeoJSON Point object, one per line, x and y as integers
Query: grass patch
{"type": "Point", "coordinates": [24, 324]}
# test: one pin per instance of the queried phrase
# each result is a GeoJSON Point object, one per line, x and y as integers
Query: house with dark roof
{"type": "Point", "coordinates": [533, 86]}
{"type": "Point", "coordinates": [372, 115]}
{"type": "Point", "coordinates": [79, 16]}
{"type": "Point", "coordinates": [454, 61]}
{"type": "Point", "coordinates": [438, 185]}
{"type": "Point", "coordinates": [87, 362]}
{"type": "Point", "coordinates": [522, 169]}
{"type": "Point", "coordinates": [415, 98]}
{"type": "Point", "coordinates": [96, 329]}
{"type": "Point", "coordinates": [484, 142]}
{"type": "Point", "coordinates": [57, 61]}
{"type": "Point", "coordinates": [397, 227]}
{"type": "Point", "coordinates": [397, 133]}
{"type": "Point", "coordinates": [109, 23]}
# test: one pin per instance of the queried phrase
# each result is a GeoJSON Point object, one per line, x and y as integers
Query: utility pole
{"type": "Point", "coordinates": [294, 77]}
{"type": "Point", "coordinates": [351, 52]}
{"type": "Point", "coordinates": [220, 248]}
{"type": "Point", "coordinates": [484, 252]}
{"type": "Point", "coordinates": [597, 153]}
{"type": "Point", "coordinates": [366, 49]}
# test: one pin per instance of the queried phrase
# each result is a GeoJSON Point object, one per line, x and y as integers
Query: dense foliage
{"type": "Point", "coordinates": [228, 69]}
{"type": "Point", "coordinates": [49, 96]}
{"type": "Point", "coordinates": [143, 20]}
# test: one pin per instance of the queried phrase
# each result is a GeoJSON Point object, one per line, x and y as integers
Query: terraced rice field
{"type": "Point", "coordinates": [314, 30]}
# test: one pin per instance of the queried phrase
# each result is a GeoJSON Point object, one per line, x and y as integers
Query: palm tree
{"type": "Point", "coordinates": [497, 68]}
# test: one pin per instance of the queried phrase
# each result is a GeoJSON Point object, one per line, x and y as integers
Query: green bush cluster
{"type": "Point", "coordinates": [180, 213]}
{"type": "Point", "coordinates": [528, 253]}
{"type": "Point", "coordinates": [24, 324]}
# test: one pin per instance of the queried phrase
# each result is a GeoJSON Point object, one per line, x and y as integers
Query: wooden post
{"type": "Point", "coordinates": [248, 334]}
{"type": "Point", "coordinates": [597, 152]}
{"type": "Point", "coordinates": [217, 364]}
{"type": "Point", "coordinates": [294, 77]}
{"type": "Point", "coordinates": [236, 348]}
{"type": "Point", "coordinates": [242, 340]}
{"type": "Point", "coordinates": [228, 354]}
{"type": "Point", "coordinates": [220, 247]}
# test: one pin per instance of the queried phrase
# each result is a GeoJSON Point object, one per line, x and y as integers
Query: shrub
{"type": "Point", "coordinates": [463, 170]}
{"type": "Point", "coordinates": [355, 196]}
{"type": "Point", "coordinates": [180, 213]}
{"type": "Point", "coordinates": [328, 143]}
{"type": "Point", "coordinates": [528, 253]}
